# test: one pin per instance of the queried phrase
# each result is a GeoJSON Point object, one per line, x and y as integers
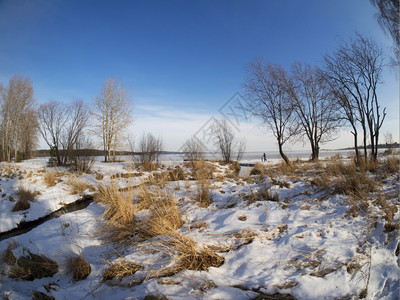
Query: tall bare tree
{"type": "Point", "coordinates": [77, 121]}
{"type": "Point", "coordinates": [356, 70]}
{"type": "Point", "coordinates": [113, 114]}
{"type": "Point", "coordinates": [268, 100]}
{"type": "Point", "coordinates": [16, 100]}
{"type": "Point", "coordinates": [62, 126]}
{"type": "Point", "coordinates": [53, 117]}
{"type": "Point", "coordinates": [316, 112]}
{"type": "Point", "coordinates": [389, 20]}
{"type": "Point", "coordinates": [226, 141]}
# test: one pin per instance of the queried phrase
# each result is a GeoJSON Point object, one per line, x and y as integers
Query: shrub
{"type": "Point", "coordinates": [202, 170]}
{"type": "Point", "coordinates": [392, 164]}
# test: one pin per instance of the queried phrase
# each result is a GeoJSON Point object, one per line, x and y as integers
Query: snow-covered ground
{"type": "Point", "coordinates": [306, 244]}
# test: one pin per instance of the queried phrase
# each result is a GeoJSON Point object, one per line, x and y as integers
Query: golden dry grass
{"type": "Point", "coordinates": [79, 267]}
{"type": "Point", "coordinates": [392, 164]}
{"type": "Point", "coordinates": [77, 185]}
{"type": "Point", "coordinates": [33, 266]}
{"type": "Point", "coordinates": [201, 170]}
{"type": "Point", "coordinates": [259, 169]}
{"type": "Point", "coordinates": [121, 269]}
{"type": "Point", "coordinates": [203, 195]}
{"type": "Point", "coordinates": [51, 178]}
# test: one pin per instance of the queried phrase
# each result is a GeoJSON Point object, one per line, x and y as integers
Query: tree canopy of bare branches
{"type": "Point", "coordinates": [354, 72]}
{"type": "Point", "coordinates": [113, 114]}
{"type": "Point", "coordinates": [316, 112]}
{"type": "Point", "coordinates": [389, 19]}
{"type": "Point", "coordinates": [62, 127]}
{"type": "Point", "coordinates": [226, 141]}
{"type": "Point", "coordinates": [16, 102]}
{"type": "Point", "coordinates": [267, 99]}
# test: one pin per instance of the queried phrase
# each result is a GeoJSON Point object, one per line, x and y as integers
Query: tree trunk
{"type": "Point", "coordinates": [283, 155]}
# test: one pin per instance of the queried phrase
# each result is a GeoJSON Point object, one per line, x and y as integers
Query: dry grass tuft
{"type": "Point", "coordinates": [122, 269]}
{"type": "Point", "coordinates": [392, 164]}
{"type": "Point", "coordinates": [119, 214]}
{"type": "Point", "coordinates": [79, 267]}
{"type": "Point", "coordinates": [8, 256]}
{"type": "Point", "coordinates": [149, 166]}
{"type": "Point", "coordinates": [51, 178]}
{"type": "Point", "coordinates": [262, 194]}
{"type": "Point", "coordinates": [77, 185]}
{"type": "Point", "coordinates": [202, 170]}
{"type": "Point", "coordinates": [24, 196]}
{"type": "Point", "coordinates": [259, 169]}
{"type": "Point", "coordinates": [203, 196]}
{"type": "Point", "coordinates": [177, 174]}
{"type": "Point", "coordinates": [33, 266]}
{"type": "Point", "coordinates": [185, 254]}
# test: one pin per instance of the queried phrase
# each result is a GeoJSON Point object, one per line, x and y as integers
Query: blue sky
{"type": "Point", "coordinates": [181, 60]}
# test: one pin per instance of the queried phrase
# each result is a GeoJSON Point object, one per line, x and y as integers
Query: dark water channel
{"type": "Point", "coordinates": [26, 226]}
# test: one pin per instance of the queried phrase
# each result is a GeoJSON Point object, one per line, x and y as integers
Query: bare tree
{"type": "Point", "coordinates": [77, 121]}
{"type": "Point", "coordinates": [355, 70]}
{"type": "Point", "coordinates": [316, 113]}
{"type": "Point", "coordinates": [389, 20]}
{"type": "Point", "coordinates": [113, 114]}
{"type": "Point", "coordinates": [53, 117]}
{"type": "Point", "coordinates": [62, 126]}
{"type": "Point", "coordinates": [268, 100]}
{"type": "Point", "coordinates": [149, 151]}
{"type": "Point", "coordinates": [226, 141]}
{"type": "Point", "coordinates": [193, 150]}
{"type": "Point", "coordinates": [16, 100]}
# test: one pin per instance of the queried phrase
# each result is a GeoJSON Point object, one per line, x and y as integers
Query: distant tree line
{"type": "Point", "coordinates": [313, 102]}
{"type": "Point", "coordinates": [66, 128]}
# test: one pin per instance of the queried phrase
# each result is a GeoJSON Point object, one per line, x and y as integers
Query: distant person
{"type": "Point", "coordinates": [264, 158]}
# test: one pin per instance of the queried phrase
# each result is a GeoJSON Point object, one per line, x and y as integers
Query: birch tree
{"type": "Point", "coordinates": [112, 114]}
{"type": "Point", "coordinates": [16, 100]}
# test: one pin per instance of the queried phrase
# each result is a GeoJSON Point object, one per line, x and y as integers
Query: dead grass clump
{"type": "Point", "coordinates": [283, 168]}
{"type": "Point", "coordinates": [77, 185]}
{"type": "Point", "coordinates": [33, 266]}
{"type": "Point", "coordinates": [370, 164]}
{"type": "Point", "coordinates": [234, 168]}
{"type": "Point", "coordinates": [338, 168]}
{"type": "Point", "coordinates": [203, 195]}
{"type": "Point", "coordinates": [164, 218]}
{"type": "Point", "coordinates": [122, 269]}
{"type": "Point", "coordinates": [8, 256]}
{"type": "Point", "coordinates": [202, 170]}
{"type": "Point", "coordinates": [119, 214]}
{"type": "Point", "coordinates": [258, 169]}
{"type": "Point", "coordinates": [51, 178]}
{"type": "Point", "coordinates": [24, 196]}
{"type": "Point", "coordinates": [177, 174]}
{"type": "Point", "coordinates": [79, 267]}
{"type": "Point", "coordinates": [188, 255]}
{"type": "Point", "coordinates": [149, 166]}
{"type": "Point", "coordinates": [99, 176]}
{"type": "Point", "coordinates": [281, 184]}
{"type": "Point", "coordinates": [392, 164]}
{"type": "Point", "coordinates": [357, 185]}
{"type": "Point", "coordinates": [119, 205]}
{"type": "Point", "coordinates": [323, 181]}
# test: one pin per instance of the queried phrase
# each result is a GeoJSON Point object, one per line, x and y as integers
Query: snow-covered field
{"type": "Point", "coordinates": [306, 240]}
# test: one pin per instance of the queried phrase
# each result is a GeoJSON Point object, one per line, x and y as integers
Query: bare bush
{"type": "Point", "coordinates": [193, 150]}
{"type": "Point", "coordinates": [149, 151]}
